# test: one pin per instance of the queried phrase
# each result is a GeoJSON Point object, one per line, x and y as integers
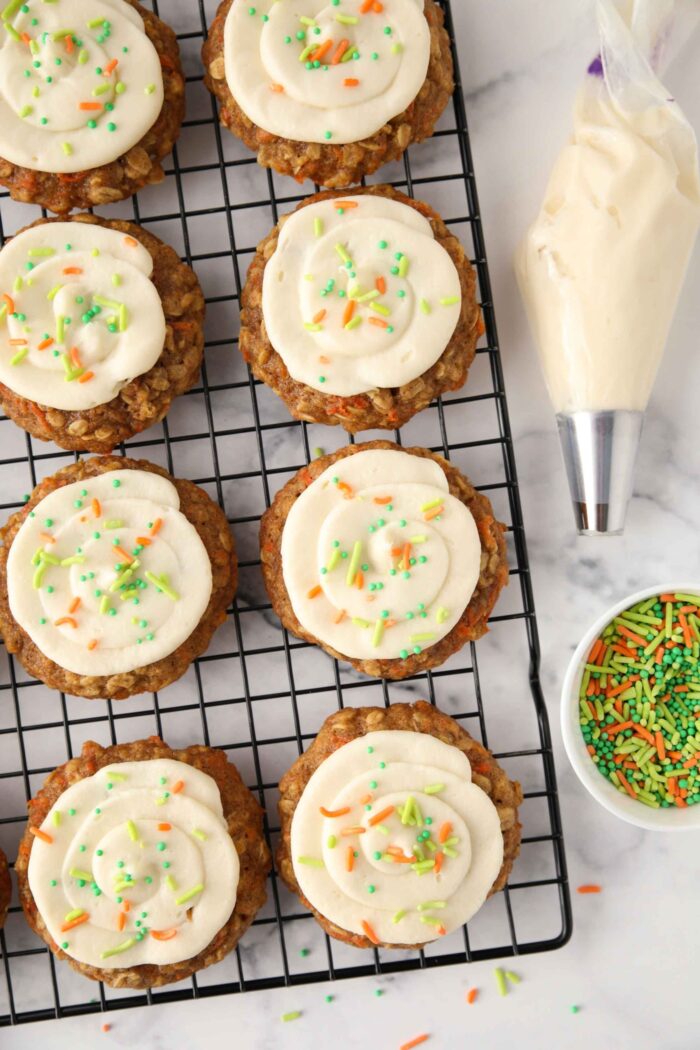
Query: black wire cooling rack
{"type": "Point", "coordinates": [258, 692]}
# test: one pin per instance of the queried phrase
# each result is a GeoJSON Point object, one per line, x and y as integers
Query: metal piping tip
{"type": "Point", "coordinates": [600, 450]}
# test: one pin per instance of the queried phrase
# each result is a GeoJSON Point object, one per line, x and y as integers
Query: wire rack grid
{"type": "Point", "coordinates": [259, 693]}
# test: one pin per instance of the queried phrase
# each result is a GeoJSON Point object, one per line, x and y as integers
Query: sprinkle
{"type": "Point", "coordinates": [311, 862]}
{"type": "Point", "coordinates": [369, 932]}
{"type": "Point", "coordinates": [293, 1015]}
{"type": "Point", "coordinates": [123, 947]}
{"type": "Point", "coordinates": [349, 858]}
{"type": "Point", "coordinates": [80, 875]}
{"type": "Point", "coordinates": [19, 356]}
{"type": "Point", "coordinates": [415, 1042]}
{"type": "Point", "coordinates": [178, 786]}
{"type": "Point", "coordinates": [340, 249]}
{"type": "Point", "coordinates": [513, 977]}
{"type": "Point", "coordinates": [133, 831]}
{"type": "Point", "coordinates": [589, 889]}
{"type": "Point", "coordinates": [500, 981]}
{"type": "Point", "coordinates": [199, 834]}
{"type": "Point", "coordinates": [332, 813]}
{"type": "Point", "coordinates": [339, 52]}
{"type": "Point", "coordinates": [38, 833]}
{"type": "Point", "coordinates": [471, 995]}
{"type": "Point", "coordinates": [433, 789]}
{"type": "Point", "coordinates": [379, 817]}
{"type": "Point", "coordinates": [72, 923]}
{"type": "Point", "coordinates": [449, 300]}
{"type": "Point", "coordinates": [347, 20]}
{"type": "Point", "coordinates": [318, 227]}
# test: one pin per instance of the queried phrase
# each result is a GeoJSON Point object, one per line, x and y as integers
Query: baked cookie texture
{"type": "Point", "coordinates": [473, 622]}
{"type": "Point", "coordinates": [137, 168]}
{"type": "Point", "coordinates": [5, 888]}
{"type": "Point", "coordinates": [146, 400]}
{"type": "Point", "coordinates": [342, 165]}
{"type": "Point", "coordinates": [211, 524]}
{"type": "Point", "coordinates": [381, 408]}
{"type": "Point", "coordinates": [352, 722]}
{"type": "Point", "coordinates": [245, 823]}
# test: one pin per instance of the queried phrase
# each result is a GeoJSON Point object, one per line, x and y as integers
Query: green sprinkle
{"type": "Point", "coordinates": [449, 300]}
{"type": "Point", "coordinates": [354, 563]}
{"type": "Point", "coordinates": [293, 1015]}
{"type": "Point", "coordinates": [162, 585]}
{"type": "Point", "coordinates": [190, 894]}
{"type": "Point", "coordinates": [19, 356]}
{"type": "Point", "coordinates": [56, 817]}
{"type": "Point", "coordinates": [123, 947]}
{"type": "Point", "coordinates": [433, 789]}
{"type": "Point", "coordinates": [199, 834]}
{"type": "Point", "coordinates": [331, 842]}
{"type": "Point", "coordinates": [347, 20]}
{"type": "Point", "coordinates": [500, 981]}
{"type": "Point", "coordinates": [318, 227]}
{"type": "Point", "coordinates": [80, 875]}
{"type": "Point", "coordinates": [133, 831]}
{"type": "Point", "coordinates": [380, 309]}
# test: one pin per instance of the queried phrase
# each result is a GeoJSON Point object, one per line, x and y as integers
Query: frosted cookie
{"type": "Point", "coordinates": [385, 557]}
{"type": "Point", "coordinates": [92, 96]}
{"type": "Point", "coordinates": [114, 577]}
{"type": "Point", "coordinates": [359, 309]}
{"type": "Point", "coordinates": [142, 864]}
{"type": "Point", "coordinates": [329, 91]}
{"type": "Point", "coordinates": [100, 329]}
{"type": "Point", "coordinates": [5, 888]}
{"type": "Point", "coordinates": [396, 826]}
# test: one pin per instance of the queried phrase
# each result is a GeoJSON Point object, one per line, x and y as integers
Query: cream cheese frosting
{"type": "Point", "coordinates": [79, 315]}
{"type": "Point", "coordinates": [379, 559]}
{"type": "Point", "coordinates": [392, 840]}
{"type": "Point", "coordinates": [80, 83]}
{"type": "Point", "coordinates": [106, 575]}
{"type": "Point", "coordinates": [135, 865]}
{"type": "Point", "coordinates": [321, 71]}
{"type": "Point", "coordinates": [358, 294]}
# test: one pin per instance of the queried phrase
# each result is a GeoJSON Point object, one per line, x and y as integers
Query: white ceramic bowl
{"type": "Point", "coordinates": [669, 819]}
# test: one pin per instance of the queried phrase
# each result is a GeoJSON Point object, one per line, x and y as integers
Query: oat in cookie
{"type": "Point", "coordinates": [329, 95]}
{"type": "Point", "coordinates": [114, 577]}
{"type": "Point", "coordinates": [91, 98]}
{"type": "Point", "coordinates": [141, 864]}
{"type": "Point", "coordinates": [101, 329]}
{"type": "Point", "coordinates": [385, 557]}
{"type": "Point", "coordinates": [396, 826]}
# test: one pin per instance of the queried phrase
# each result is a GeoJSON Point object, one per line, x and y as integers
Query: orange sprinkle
{"type": "Point", "coordinates": [72, 269]}
{"type": "Point", "coordinates": [667, 597]}
{"type": "Point", "coordinates": [339, 52]}
{"type": "Point", "coordinates": [406, 555]}
{"type": "Point", "coordinates": [319, 53]}
{"type": "Point", "coordinates": [353, 831]}
{"type": "Point", "coordinates": [317, 318]}
{"type": "Point", "coordinates": [433, 513]}
{"type": "Point", "coordinates": [277, 88]}
{"type": "Point", "coordinates": [144, 541]}
{"type": "Point", "coordinates": [323, 360]}
{"type": "Point", "coordinates": [89, 105]}
{"type": "Point", "coordinates": [121, 920]}
{"type": "Point", "coordinates": [380, 285]}
{"type": "Point", "coordinates": [382, 815]}
{"type": "Point", "coordinates": [366, 798]}
{"type": "Point", "coordinates": [348, 312]}
{"type": "Point", "coordinates": [623, 686]}
{"type": "Point", "coordinates": [659, 740]}
{"type": "Point", "coordinates": [156, 526]}
{"type": "Point", "coordinates": [369, 932]}
{"type": "Point", "coordinates": [632, 636]}
{"type": "Point", "coordinates": [382, 500]}
{"type": "Point", "coordinates": [626, 784]}
{"type": "Point", "coordinates": [445, 831]}
{"type": "Point", "coordinates": [611, 730]}
{"type": "Point", "coordinates": [589, 887]}
{"type": "Point", "coordinates": [25, 38]}
{"type": "Point", "coordinates": [687, 637]}
{"type": "Point", "coordinates": [45, 343]}
{"type": "Point", "coordinates": [75, 604]}
{"type": "Point", "coordinates": [46, 537]}
{"type": "Point", "coordinates": [680, 802]}
{"type": "Point", "coordinates": [340, 617]}
{"type": "Point", "coordinates": [439, 858]}
{"type": "Point", "coordinates": [42, 835]}
{"type": "Point", "coordinates": [366, 7]}
{"type": "Point", "coordinates": [334, 812]}
{"type": "Point", "coordinates": [644, 733]}
{"type": "Point", "coordinates": [126, 905]}
{"type": "Point", "coordinates": [106, 1027]}
{"type": "Point", "coordinates": [347, 491]}
{"type": "Point", "coordinates": [351, 82]}
{"type": "Point", "coordinates": [163, 935]}
{"type": "Point", "coordinates": [123, 554]}
{"type": "Point", "coordinates": [360, 580]}
{"type": "Point", "coordinates": [75, 357]}
{"type": "Point", "coordinates": [17, 342]}
{"type": "Point", "coordinates": [178, 786]}
{"type": "Point", "coordinates": [415, 1042]}
{"type": "Point", "coordinates": [346, 205]}
{"type": "Point", "coordinates": [92, 644]}
{"type": "Point", "coordinates": [65, 619]}
{"type": "Point", "coordinates": [130, 242]}
{"type": "Point", "coordinates": [68, 41]}
{"type": "Point", "coordinates": [672, 785]}
{"type": "Point", "coordinates": [10, 303]}
{"type": "Point", "coordinates": [692, 761]}
{"type": "Point", "coordinates": [378, 323]}
{"type": "Point", "coordinates": [349, 859]}
{"type": "Point", "coordinates": [471, 995]}
{"type": "Point", "coordinates": [96, 507]}
{"type": "Point", "coordinates": [377, 7]}
{"type": "Point", "coordinates": [75, 922]}
{"type": "Point", "coordinates": [314, 592]}
{"type": "Point", "coordinates": [165, 827]}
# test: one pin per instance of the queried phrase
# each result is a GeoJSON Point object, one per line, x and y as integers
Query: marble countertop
{"type": "Point", "coordinates": [628, 966]}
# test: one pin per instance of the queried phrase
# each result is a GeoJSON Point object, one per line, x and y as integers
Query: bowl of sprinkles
{"type": "Point", "coordinates": [631, 709]}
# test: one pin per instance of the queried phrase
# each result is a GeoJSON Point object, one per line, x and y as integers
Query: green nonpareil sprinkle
{"type": "Point", "coordinates": [311, 862]}
{"type": "Point", "coordinates": [185, 897]}
{"type": "Point", "coordinates": [500, 981]}
{"type": "Point", "coordinates": [123, 947]}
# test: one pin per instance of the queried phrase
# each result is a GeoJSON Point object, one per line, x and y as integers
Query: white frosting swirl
{"type": "Point", "coordinates": [358, 295]}
{"type": "Point", "coordinates": [373, 62]}
{"type": "Point", "coordinates": [80, 316]}
{"type": "Point", "coordinates": [135, 865]}
{"type": "Point", "coordinates": [378, 559]}
{"type": "Point", "coordinates": [107, 575]}
{"type": "Point", "coordinates": [80, 83]}
{"type": "Point", "coordinates": [411, 847]}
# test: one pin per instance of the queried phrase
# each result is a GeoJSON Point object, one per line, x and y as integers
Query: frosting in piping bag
{"type": "Point", "coordinates": [135, 865]}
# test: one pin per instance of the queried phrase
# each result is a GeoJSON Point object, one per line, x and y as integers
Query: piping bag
{"type": "Point", "coordinates": [602, 266]}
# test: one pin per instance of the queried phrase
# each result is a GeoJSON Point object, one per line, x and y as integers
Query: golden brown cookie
{"type": "Point", "coordinates": [472, 623]}
{"type": "Point", "coordinates": [5, 888]}
{"type": "Point", "coordinates": [380, 408]}
{"type": "Point", "coordinates": [211, 525]}
{"type": "Point", "coordinates": [139, 166]}
{"type": "Point", "coordinates": [331, 165]}
{"type": "Point", "coordinates": [352, 723]}
{"type": "Point", "coordinates": [146, 399]}
{"type": "Point", "coordinates": [242, 814]}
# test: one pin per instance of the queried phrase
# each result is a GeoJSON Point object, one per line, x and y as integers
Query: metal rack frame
{"type": "Point", "coordinates": [368, 963]}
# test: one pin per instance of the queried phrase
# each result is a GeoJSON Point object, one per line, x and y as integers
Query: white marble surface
{"type": "Point", "coordinates": [629, 965]}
